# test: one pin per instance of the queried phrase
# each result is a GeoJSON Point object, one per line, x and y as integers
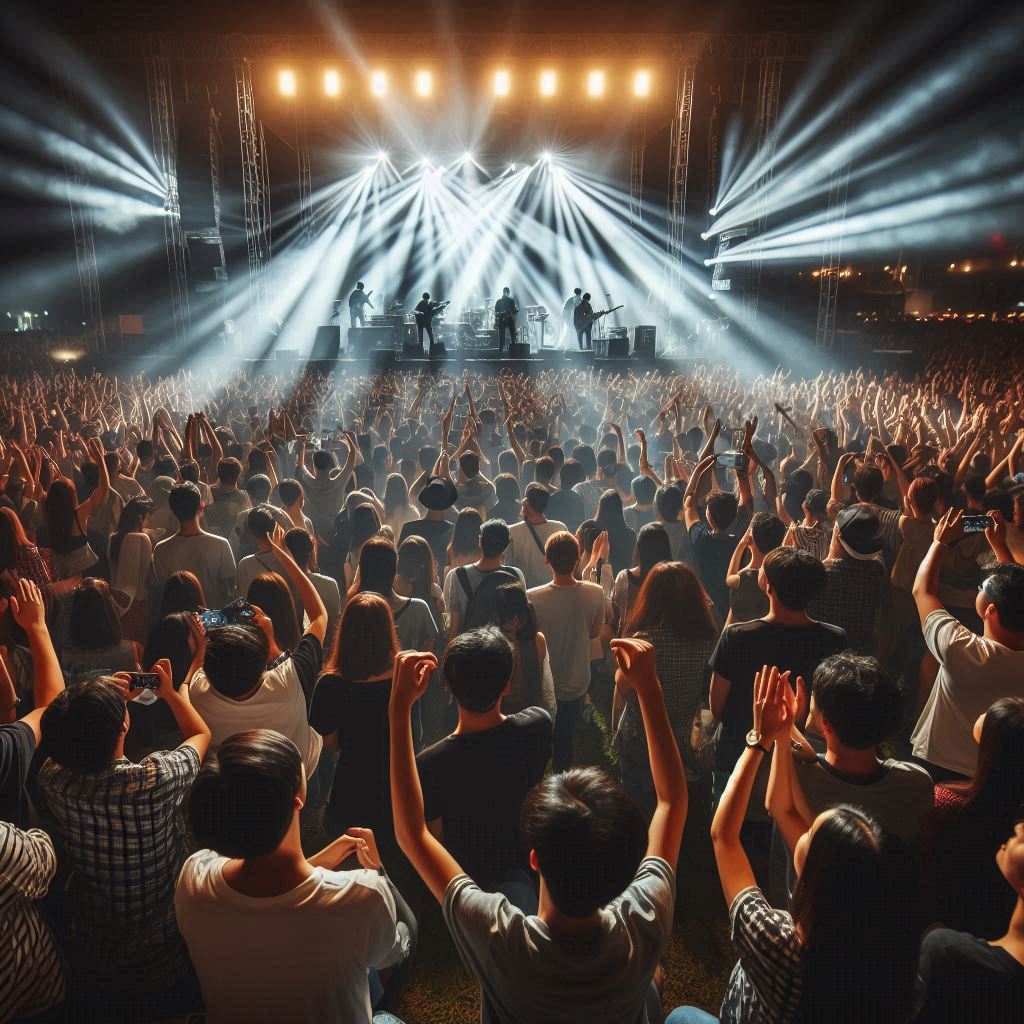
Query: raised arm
{"type": "Point", "coordinates": [926, 583]}
{"type": "Point", "coordinates": [311, 603]}
{"type": "Point", "coordinates": [691, 514]}
{"type": "Point", "coordinates": [780, 800]}
{"type": "Point", "coordinates": [29, 613]}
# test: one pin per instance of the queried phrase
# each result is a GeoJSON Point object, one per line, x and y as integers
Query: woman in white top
{"type": "Point", "coordinates": [131, 561]}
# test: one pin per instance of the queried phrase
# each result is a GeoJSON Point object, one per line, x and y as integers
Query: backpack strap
{"type": "Point", "coordinates": [536, 539]}
{"type": "Point", "coordinates": [463, 577]}
{"type": "Point", "coordinates": [401, 611]}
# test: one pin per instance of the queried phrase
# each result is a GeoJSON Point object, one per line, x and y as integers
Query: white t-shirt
{"type": "Point", "coordinates": [973, 674]}
{"type": "Point", "coordinates": [206, 555]}
{"type": "Point", "coordinates": [524, 553]}
{"type": "Point", "coordinates": [569, 617]}
{"type": "Point", "coordinates": [298, 957]}
{"type": "Point", "coordinates": [279, 703]}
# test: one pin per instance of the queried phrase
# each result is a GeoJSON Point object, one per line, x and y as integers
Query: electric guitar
{"type": "Point", "coordinates": [586, 321]}
{"type": "Point", "coordinates": [423, 319]}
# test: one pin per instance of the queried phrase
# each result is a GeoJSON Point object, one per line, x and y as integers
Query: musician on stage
{"type": "Point", "coordinates": [357, 303]}
{"type": "Point", "coordinates": [567, 313]}
{"type": "Point", "coordinates": [425, 312]}
{"type": "Point", "coordinates": [505, 310]}
{"type": "Point", "coordinates": [583, 322]}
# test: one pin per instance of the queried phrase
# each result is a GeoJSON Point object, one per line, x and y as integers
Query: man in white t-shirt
{"type": "Point", "coordinates": [325, 487]}
{"type": "Point", "coordinates": [974, 671]}
{"type": "Point", "coordinates": [526, 550]}
{"type": "Point", "coordinates": [274, 935]}
{"type": "Point", "coordinates": [191, 549]}
{"type": "Point", "coordinates": [570, 614]}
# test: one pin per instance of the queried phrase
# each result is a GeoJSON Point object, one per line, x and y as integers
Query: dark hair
{"type": "Point", "coordinates": [506, 488]}
{"type": "Point", "coordinates": [165, 466]}
{"type": "Point", "coordinates": [1004, 587]}
{"type": "Point", "coordinates": [378, 564]}
{"type": "Point", "coordinates": [644, 489]}
{"type": "Point", "coordinates": [183, 592]}
{"type": "Point", "coordinates": [427, 456]}
{"type": "Point", "coordinates": [59, 507]}
{"type": "Point", "coordinates": [511, 602]}
{"type": "Point", "coordinates": [289, 491]}
{"type": "Point", "coordinates": [652, 547]}
{"type": "Point", "coordinates": [259, 521]}
{"type": "Point", "coordinates": [300, 544]}
{"type": "Point", "coordinates": [228, 471]}
{"type": "Point", "coordinates": [469, 463]}
{"type": "Point", "coordinates": [169, 639]}
{"type": "Point", "coordinates": [796, 576]}
{"type": "Point", "coordinates": [259, 488]}
{"type": "Point", "coordinates": [767, 530]}
{"type": "Point", "coordinates": [494, 538]}
{"type": "Point", "coordinates": [243, 799]}
{"type": "Point", "coordinates": [366, 643]}
{"type": "Point", "coordinates": [235, 659]}
{"type": "Point", "coordinates": [544, 470]}
{"type": "Point", "coordinates": [861, 703]}
{"type": "Point", "coordinates": [81, 728]}
{"type": "Point", "coordinates": [584, 455]}
{"type": "Point", "coordinates": [668, 502]}
{"type": "Point", "coordinates": [868, 482]}
{"type": "Point", "coordinates": [324, 461]}
{"type": "Point", "coordinates": [923, 494]}
{"type": "Point", "coordinates": [133, 515]}
{"type": "Point", "coordinates": [145, 449]}
{"type": "Point", "coordinates": [537, 497]}
{"type": "Point", "coordinates": [94, 622]}
{"type": "Point", "coordinates": [465, 536]}
{"type": "Point", "coordinates": [256, 461]}
{"type": "Point", "coordinates": [189, 470]}
{"type": "Point", "coordinates": [416, 563]}
{"type": "Point", "coordinates": [270, 593]}
{"type": "Point", "coordinates": [365, 524]}
{"type": "Point", "coordinates": [671, 597]}
{"type": "Point", "coordinates": [855, 904]}
{"type": "Point", "coordinates": [609, 512]}
{"type": "Point", "coordinates": [478, 665]}
{"type": "Point", "coordinates": [572, 474]}
{"type": "Point", "coordinates": [184, 501]}
{"type": "Point", "coordinates": [722, 508]}
{"type": "Point", "coordinates": [396, 494]}
{"type": "Point", "coordinates": [12, 538]}
{"type": "Point", "coordinates": [562, 552]}
{"type": "Point", "coordinates": [589, 838]}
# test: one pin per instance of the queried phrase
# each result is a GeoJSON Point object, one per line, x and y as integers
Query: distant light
{"type": "Point", "coordinates": [967, 268]}
{"type": "Point", "coordinates": [704, 235]}
{"type": "Point", "coordinates": [595, 83]}
{"type": "Point", "coordinates": [502, 83]}
{"type": "Point", "coordinates": [467, 157]}
{"type": "Point", "coordinates": [1013, 263]}
{"type": "Point", "coordinates": [642, 83]}
{"type": "Point", "coordinates": [952, 266]}
{"type": "Point", "coordinates": [286, 82]}
{"type": "Point", "coordinates": [548, 83]}
{"type": "Point", "coordinates": [26, 313]}
{"type": "Point", "coordinates": [886, 267]}
{"type": "Point", "coordinates": [381, 156]}
{"type": "Point", "coordinates": [425, 161]}
{"type": "Point", "coordinates": [379, 83]}
{"type": "Point", "coordinates": [903, 270]}
{"type": "Point", "coordinates": [545, 157]}
{"type": "Point", "coordinates": [332, 82]}
{"type": "Point", "coordinates": [512, 168]}
{"type": "Point", "coordinates": [424, 83]}
{"type": "Point", "coordinates": [713, 212]}
{"type": "Point", "coordinates": [712, 296]}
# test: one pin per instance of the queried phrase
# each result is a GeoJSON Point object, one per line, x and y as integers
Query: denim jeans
{"type": "Point", "coordinates": [565, 727]}
{"type": "Point", "coordinates": [690, 1015]}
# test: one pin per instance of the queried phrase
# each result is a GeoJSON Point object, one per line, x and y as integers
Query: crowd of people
{"type": "Point", "coordinates": [285, 659]}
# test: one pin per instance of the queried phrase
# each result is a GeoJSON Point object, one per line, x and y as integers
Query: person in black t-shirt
{"type": "Point", "coordinates": [786, 637]}
{"type": "Point", "coordinates": [475, 780]}
{"type": "Point", "coordinates": [965, 978]}
{"type": "Point", "coordinates": [437, 497]}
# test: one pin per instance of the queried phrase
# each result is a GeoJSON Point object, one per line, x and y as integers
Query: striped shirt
{"type": "Point", "coordinates": [31, 972]}
{"type": "Point", "coordinates": [126, 845]}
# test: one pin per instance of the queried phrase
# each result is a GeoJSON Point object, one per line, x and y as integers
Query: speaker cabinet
{"type": "Point", "coordinates": [644, 341]}
{"type": "Point", "coordinates": [326, 343]}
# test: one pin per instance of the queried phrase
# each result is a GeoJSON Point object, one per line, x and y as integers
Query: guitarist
{"type": "Point", "coordinates": [357, 303]}
{"type": "Point", "coordinates": [583, 321]}
{"type": "Point", "coordinates": [505, 310]}
{"type": "Point", "coordinates": [425, 312]}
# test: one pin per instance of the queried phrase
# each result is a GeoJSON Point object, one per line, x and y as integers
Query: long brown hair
{"type": "Point", "coordinates": [12, 537]}
{"type": "Point", "coordinates": [366, 642]}
{"type": "Point", "coordinates": [271, 595]}
{"type": "Point", "coordinates": [94, 620]}
{"type": "Point", "coordinates": [671, 597]}
{"type": "Point", "coordinates": [59, 507]}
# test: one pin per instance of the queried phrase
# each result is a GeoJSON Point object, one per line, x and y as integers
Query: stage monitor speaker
{"type": "Point", "coordinates": [615, 348]}
{"type": "Point", "coordinates": [644, 341]}
{"type": "Point", "coordinates": [363, 339]}
{"type": "Point", "coordinates": [326, 343]}
{"type": "Point", "coordinates": [519, 350]}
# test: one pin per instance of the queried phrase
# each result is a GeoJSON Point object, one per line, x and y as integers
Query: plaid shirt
{"type": "Point", "coordinates": [126, 845]}
{"type": "Point", "coordinates": [765, 984]}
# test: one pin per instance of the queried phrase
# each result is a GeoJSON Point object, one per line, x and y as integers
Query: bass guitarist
{"type": "Point", "coordinates": [583, 321]}
{"type": "Point", "coordinates": [425, 311]}
{"type": "Point", "coordinates": [505, 310]}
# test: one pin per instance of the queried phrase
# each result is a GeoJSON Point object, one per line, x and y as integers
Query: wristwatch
{"type": "Point", "coordinates": [754, 740]}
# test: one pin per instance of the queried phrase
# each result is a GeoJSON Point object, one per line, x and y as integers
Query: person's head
{"type": "Point", "coordinates": [378, 564]}
{"type": "Point", "coordinates": [260, 522]}
{"type": "Point", "coordinates": [183, 592]}
{"type": "Point", "coordinates": [506, 489]}
{"type": "Point", "coordinates": [417, 567]}
{"type": "Point", "coordinates": [1000, 601]}
{"type": "Point", "coordinates": [925, 500]}
{"type": "Point", "coordinates": [269, 592]}
{"type": "Point", "coordinates": [256, 462]}
{"type": "Point", "coordinates": [999, 778]}
{"type": "Point", "coordinates": [365, 524]}
{"type": "Point", "coordinates": [228, 472]}
{"type": "Point", "coordinates": [469, 463]}
{"type": "Point", "coordinates": [82, 728]}
{"type": "Point", "coordinates": [427, 456]}
{"type": "Point", "coordinates": [171, 639]}
{"type": "Point", "coordinates": [185, 501]}
{"type": "Point", "coordinates": [652, 547]}
{"type": "Point", "coordinates": [247, 794]}
{"type": "Point", "coordinates": [366, 643]}
{"type": "Point", "coordinates": [513, 611]}
{"type": "Point", "coordinates": [816, 504]}
{"type": "Point", "coordinates": [465, 542]}
{"type": "Point", "coordinates": [856, 704]}
{"type": "Point", "coordinates": [300, 545]}
{"type": "Point", "coordinates": [324, 462]}
{"type": "Point", "coordinates": [668, 503]}
{"type": "Point", "coordinates": [721, 509]}
{"type": "Point", "coordinates": [607, 463]}
{"type": "Point", "coordinates": [868, 483]}
{"type": "Point", "coordinates": [609, 511]}
{"type": "Point", "coordinates": [792, 577]}
{"type": "Point", "coordinates": [290, 492]}
{"type": "Point", "coordinates": [855, 909]}
{"type": "Point", "coordinates": [477, 668]}
{"type": "Point", "coordinates": [536, 500]}
{"type": "Point", "coordinates": [577, 291]}
{"type": "Point", "coordinates": [425, 296]}
{"type": "Point", "coordinates": [13, 537]}
{"type": "Point", "coordinates": [586, 838]}
{"type": "Point", "coordinates": [671, 597]}
{"type": "Point", "coordinates": [494, 538]}
{"type": "Point", "coordinates": [396, 494]}
{"type": "Point", "coordinates": [767, 531]}
{"type": "Point", "coordinates": [94, 622]}
{"type": "Point", "coordinates": [1010, 856]}
{"type": "Point", "coordinates": [235, 659]}
{"type": "Point", "coordinates": [59, 511]}
{"type": "Point", "coordinates": [145, 450]}
{"type": "Point", "coordinates": [584, 455]}
{"type": "Point", "coordinates": [644, 489]}
{"type": "Point", "coordinates": [562, 552]}
{"type": "Point", "coordinates": [359, 286]}
{"type": "Point", "coordinates": [586, 296]}
{"type": "Point", "coordinates": [572, 474]}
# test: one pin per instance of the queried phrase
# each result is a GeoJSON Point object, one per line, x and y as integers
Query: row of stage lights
{"type": "Point", "coordinates": [595, 83]}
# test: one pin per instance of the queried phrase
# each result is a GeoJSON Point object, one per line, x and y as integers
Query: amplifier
{"type": "Point", "coordinates": [644, 338]}
{"type": "Point", "coordinates": [326, 343]}
{"type": "Point", "coordinates": [363, 339]}
{"type": "Point", "coordinates": [613, 348]}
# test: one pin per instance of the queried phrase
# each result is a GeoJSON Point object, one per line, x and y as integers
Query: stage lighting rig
{"type": "Point", "coordinates": [379, 83]}
{"type": "Point", "coordinates": [595, 84]}
{"type": "Point", "coordinates": [286, 82]}
{"type": "Point", "coordinates": [502, 83]}
{"type": "Point", "coordinates": [548, 83]}
{"type": "Point", "coordinates": [642, 84]}
{"type": "Point", "coordinates": [332, 82]}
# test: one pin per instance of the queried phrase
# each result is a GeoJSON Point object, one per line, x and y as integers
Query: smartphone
{"type": "Point", "coordinates": [739, 461]}
{"type": "Point", "coordinates": [212, 618]}
{"type": "Point", "coordinates": [976, 524]}
{"type": "Point", "coordinates": [239, 611]}
{"type": "Point", "coordinates": [145, 680]}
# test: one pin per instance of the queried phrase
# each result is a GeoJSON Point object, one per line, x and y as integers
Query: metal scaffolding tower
{"type": "Point", "coordinates": [636, 165]}
{"type": "Point", "coordinates": [165, 149]}
{"type": "Point", "coordinates": [307, 216]}
{"type": "Point", "coordinates": [680, 161]}
{"type": "Point", "coordinates": [831, 255]}
{"type": "Point", "coordinates": [255, 190]}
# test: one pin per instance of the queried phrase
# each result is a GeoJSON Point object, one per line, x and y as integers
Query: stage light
{"type": "Point", "coordinates": [379, 83]}
{"type": "Point", "coordinates": [548, 83]}
{"type": "Point", "coordinates": [512, 168]}
{"type": "Point", "coordinates": [595, 83]}
{"type": "Point", "coordinates": [967, 268]}
{"type": "Point", "coordinates": [502, 83]}
{"type": "Point", "coordinates": [286, 83]}
{"type": "Point", "coordinates": [424, 83]}
{"type": "Point", "coordinates": [381, 157]}
{"type": "Point", "coordinates": [704, 235]}
{"type": "Point", "coordinates": [545, 157]}
{"type": "Point", "coordinates": [713, 212]}
{"type": "Point", "coordinates": [332, 82]}
{"type": "Point", "coordinates": [642, 83]}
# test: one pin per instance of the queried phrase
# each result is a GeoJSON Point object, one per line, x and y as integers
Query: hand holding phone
{"type": "Point", "coordinates": [976, 523]}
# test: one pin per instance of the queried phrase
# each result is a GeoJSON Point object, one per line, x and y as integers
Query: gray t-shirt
{"type": "Point", "coordinates": [524, 554]}
{"type": "Point", "coordinates": [569, 617]}
{"type": "Point", "coordinates": [325, 495]}
{"type": "Point", "coordinates": [207, 556]}
{"type": "Point", "coordinates": [414, 623]}
{"type": "Point", "coordinates": [528, 976]}
{"type": "Point", "coordinates": [455, 597]}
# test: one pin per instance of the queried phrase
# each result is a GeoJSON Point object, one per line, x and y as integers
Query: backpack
{"type": "Point", "coordinates": [481, 608]}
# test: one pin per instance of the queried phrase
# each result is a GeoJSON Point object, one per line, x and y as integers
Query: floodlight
{"type": "Point", "coordinates": [379, 83]}
{"type": "Point", "coordinates": [642, 83]}
{"type": "Point", "coordinates": [548, 83]}
{"type": "Point", "coordinates": [704, 235]}
{"type": "Point", "coordinates": [595, 83]}
{"type": "Point", "coordinates": [332, 82]}
{"type": "Point", "coordinates": [286, 82]}
{"type": "Point", "coordinates": [424, 83]}
{"type": "Point", "coordinates": [502, 83]}
{"type": "Point", "coordinates": [381, 156]}
{"type": "Point", "coordinates": [467, 157]}
{"type": "Point", "coordinates": [713, 212]}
